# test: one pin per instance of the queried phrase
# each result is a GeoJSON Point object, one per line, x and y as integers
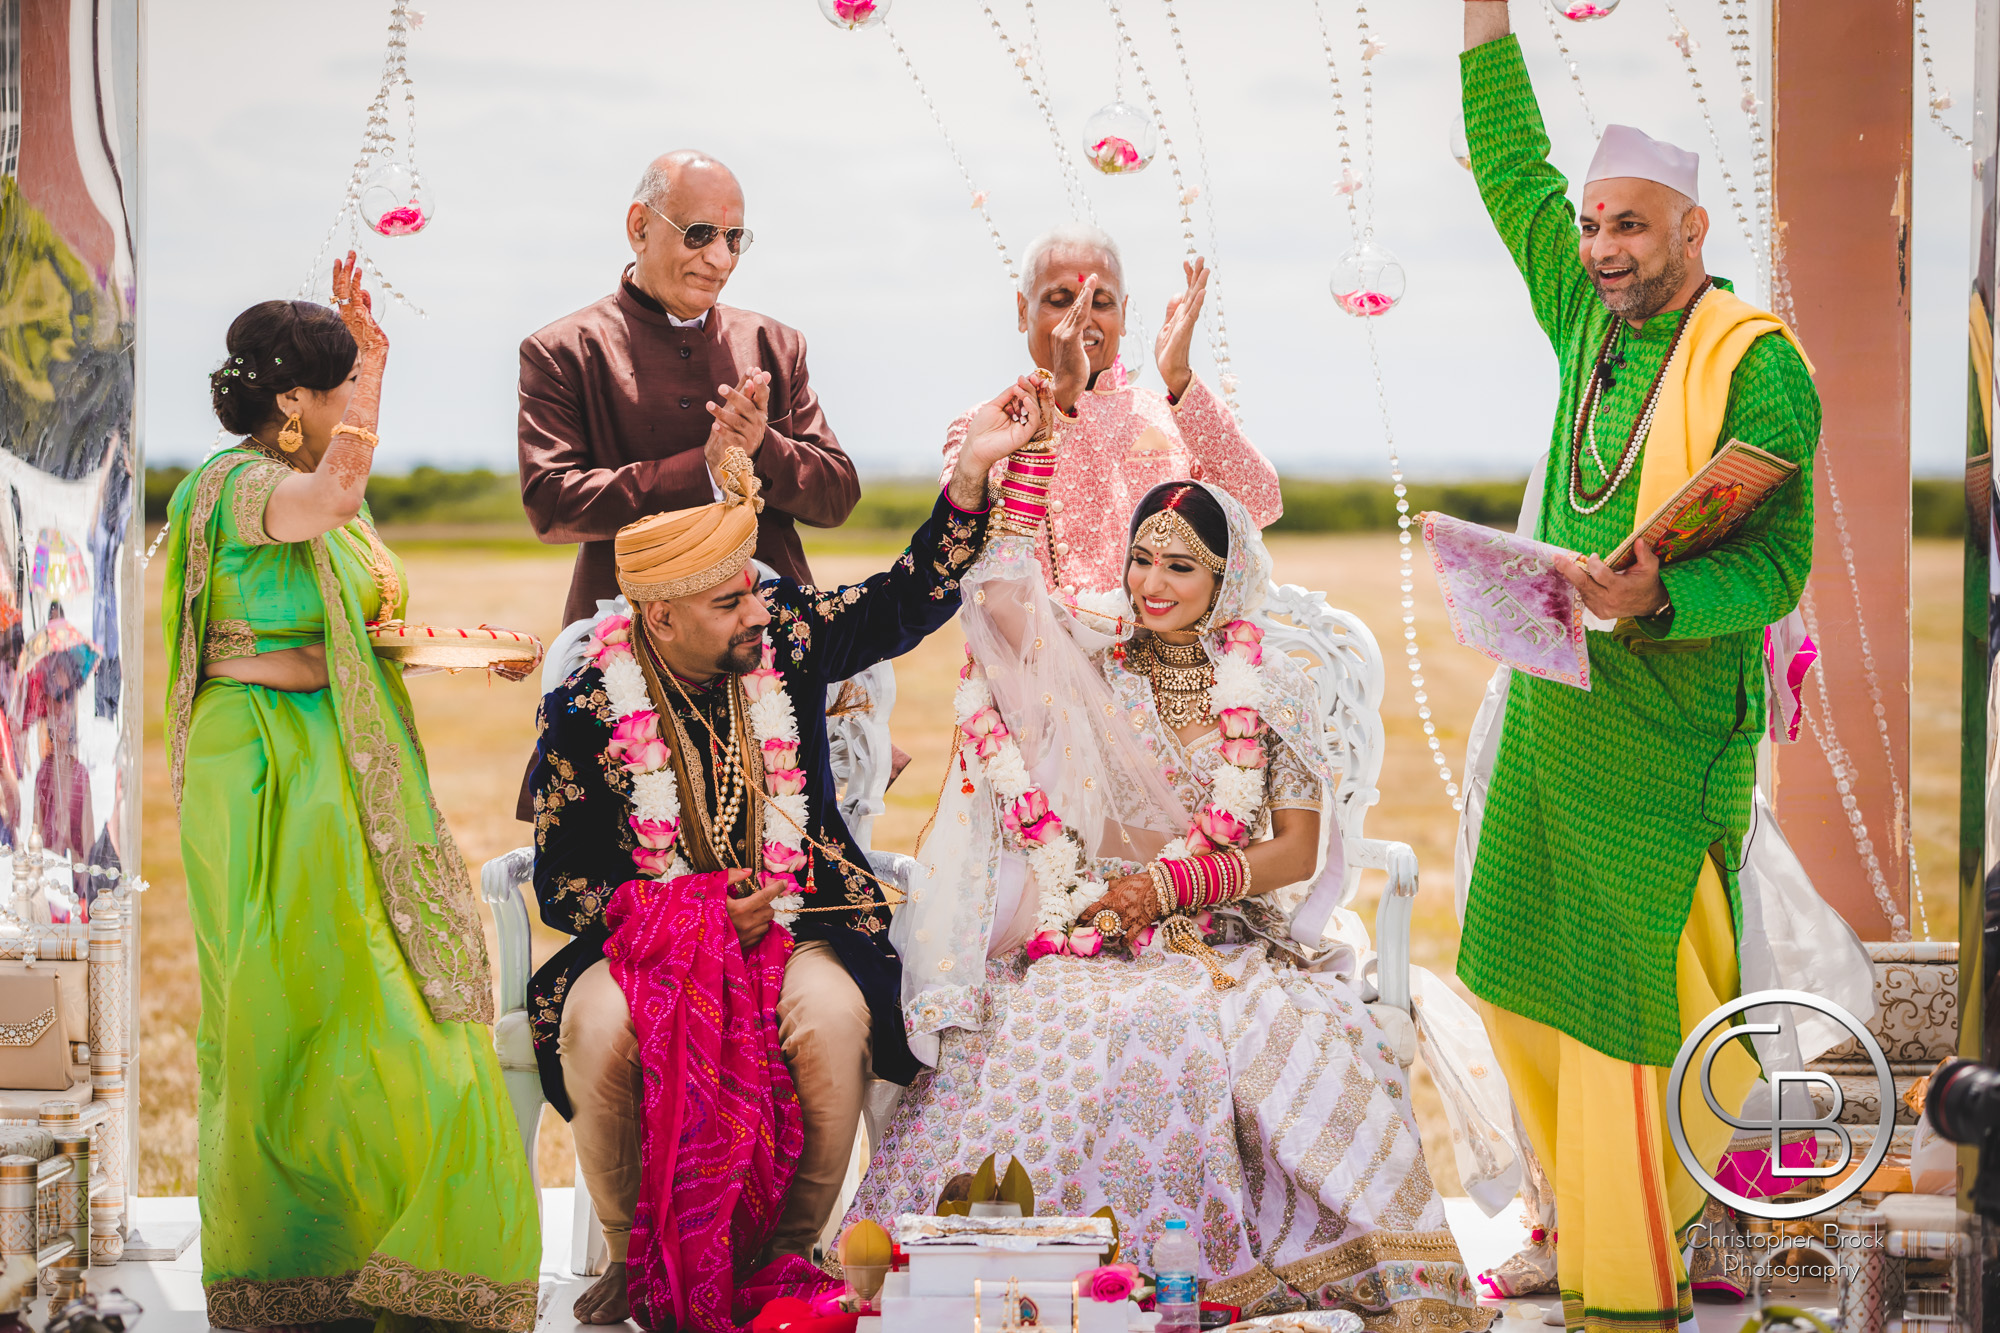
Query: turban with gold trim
{"type": "Point", "coordinates": [691, 550]}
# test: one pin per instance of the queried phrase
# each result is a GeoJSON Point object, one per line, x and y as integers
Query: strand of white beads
{"type": "Point", "coordinates": [951, 147]}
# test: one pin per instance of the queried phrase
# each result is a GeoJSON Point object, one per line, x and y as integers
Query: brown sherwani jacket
{"type": "Point", "coordinates": [613, 421]}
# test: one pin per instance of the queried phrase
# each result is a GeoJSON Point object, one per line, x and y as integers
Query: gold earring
{"type": "Point", "coordinates": [292, 436]}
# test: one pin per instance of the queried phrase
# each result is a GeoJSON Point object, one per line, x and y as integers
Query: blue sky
{"type": "Point", "coordinates": [534, 121]}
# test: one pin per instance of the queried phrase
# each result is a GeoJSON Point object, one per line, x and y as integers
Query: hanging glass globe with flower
{"type": "Point", "coordinates": [392, 200]}
{"type": "Point", "coordinates": [1367, 281]}
{"type": "Point", "coordinates": [852, 14]}
{"type": "Point", "coordinates": [1119, 139]}
{"type": "Point", "coordinates": [1583, 11]}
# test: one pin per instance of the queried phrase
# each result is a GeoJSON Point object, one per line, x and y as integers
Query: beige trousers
{"type": "Point", "coordinates": [823, 1028]}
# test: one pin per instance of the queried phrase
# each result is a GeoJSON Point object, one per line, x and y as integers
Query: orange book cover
{"type": "Point", "coordinates": [1713, 504]}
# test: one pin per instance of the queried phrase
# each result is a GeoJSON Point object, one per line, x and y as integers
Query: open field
{"type": "Point", "coordinates": [479, 732]}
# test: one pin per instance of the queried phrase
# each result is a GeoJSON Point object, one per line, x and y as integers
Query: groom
{"type": "Point", "coordinates": [700, 622]}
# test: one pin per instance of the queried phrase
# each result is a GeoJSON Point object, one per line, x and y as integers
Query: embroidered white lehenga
{"type": "Point", "coordinates": [1273, 1115]}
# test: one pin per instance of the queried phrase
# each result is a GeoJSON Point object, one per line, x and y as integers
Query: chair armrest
{"type": "Point", "coordinates": [500, 883]}
{"type": "Point", "coordinates": [1392, 914]}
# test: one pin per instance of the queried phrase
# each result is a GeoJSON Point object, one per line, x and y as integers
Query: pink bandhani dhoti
{"type": "Point", "coordinates": [722, 1127]}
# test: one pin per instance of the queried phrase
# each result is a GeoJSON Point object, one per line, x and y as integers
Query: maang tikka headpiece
{"type": "Point", "coordinates": [1169, 523]}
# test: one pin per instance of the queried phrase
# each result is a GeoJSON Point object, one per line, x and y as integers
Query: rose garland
{"type": "Point", "coordinates": [639, 746]}
{"type": "Point", "coordinates": [1054, 854]}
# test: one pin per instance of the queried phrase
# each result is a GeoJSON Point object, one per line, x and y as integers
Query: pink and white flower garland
{"type": "Point", "coordinates": [1054, 855]}
{"type": "Point", "coordinates": [640, 747]}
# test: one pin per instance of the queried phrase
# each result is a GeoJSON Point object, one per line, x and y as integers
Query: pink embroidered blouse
{"type": "Point", "coordinates": [1122, 442]}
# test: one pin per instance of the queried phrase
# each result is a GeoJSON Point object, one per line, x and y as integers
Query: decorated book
{"type": "Point", "coordinates": [1506, 599]}
{"type": "Point", "coordinates": [1713, 504]}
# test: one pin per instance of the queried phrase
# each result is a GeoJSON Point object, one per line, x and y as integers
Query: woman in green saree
{"type": "Point", "coordinates": [358, 1158]}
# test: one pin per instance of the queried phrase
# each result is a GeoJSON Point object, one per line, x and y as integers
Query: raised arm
{"type": "Point", "coordinates": [837, 632]}
{"type": "Point", "coordinates": [309, 504]}
{"type": "Point", "coordinates": [1523, 193]}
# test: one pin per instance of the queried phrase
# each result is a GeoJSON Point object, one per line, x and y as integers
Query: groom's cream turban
{"type": "Point", "coordinates": [691, 550]}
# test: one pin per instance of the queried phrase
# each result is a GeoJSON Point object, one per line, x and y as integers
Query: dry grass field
{"type": "Point", "coordinates": [478, 733]}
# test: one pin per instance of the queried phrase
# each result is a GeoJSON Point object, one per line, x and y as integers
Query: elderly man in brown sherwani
{"type": "Point", "coordinates": [629, 405]}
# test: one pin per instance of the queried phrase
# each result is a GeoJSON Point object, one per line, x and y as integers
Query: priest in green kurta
{"type": "Point", "coordinates": [1601, 921]}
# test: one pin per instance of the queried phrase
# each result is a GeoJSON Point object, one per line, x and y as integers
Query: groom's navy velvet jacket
{"type": "Point", "coordinates": [583, 844]}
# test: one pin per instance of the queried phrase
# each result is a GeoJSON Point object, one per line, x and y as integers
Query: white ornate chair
{"type": "Point", "coordinates": [1344, 664]}
{"type": "Point", "coordinates": [858, 738]}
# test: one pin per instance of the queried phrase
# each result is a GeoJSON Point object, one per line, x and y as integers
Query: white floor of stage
{"type": "Point", "coordinates": [170, 1290]}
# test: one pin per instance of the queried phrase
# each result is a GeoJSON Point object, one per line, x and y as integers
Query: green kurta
{"type": "Point", "coordinates": [1603, 803]}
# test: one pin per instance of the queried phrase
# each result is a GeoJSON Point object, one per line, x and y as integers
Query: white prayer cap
{"type": "Point", "coordinates": [1624, 151]}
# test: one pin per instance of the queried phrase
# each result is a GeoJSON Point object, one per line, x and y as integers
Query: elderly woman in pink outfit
{"type": "Point", "coordinates": [1118, 440]}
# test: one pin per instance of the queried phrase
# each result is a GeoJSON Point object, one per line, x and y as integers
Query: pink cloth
{"type": "Point", "coordinates": [722, 1129]}
{"type": "Point", "coordinates": [1124, 441]}
{"type": "Point", "coordinates": [1748, 1171]}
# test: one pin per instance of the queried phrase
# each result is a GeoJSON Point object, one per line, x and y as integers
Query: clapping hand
{"type": "Point", "coordinates": [1066, 349]}
{"type": "Point", "coordinates": [997, 429]}
{"type": "Point", "coordinates": [740, 419]}
{"type": "Point", "coordinates": [1170, 349]}
{"type": "Point", "coordinates": [356, 307]}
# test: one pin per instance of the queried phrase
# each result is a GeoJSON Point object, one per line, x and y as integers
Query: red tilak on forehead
{"type": "Point", "coordinates": [1600, 208]}
{"type": "Point", "coordinates": [749, 577]}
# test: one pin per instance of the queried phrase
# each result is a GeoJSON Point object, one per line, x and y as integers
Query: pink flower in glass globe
{"type": "Point", "coordinates": [392, 203]}
{"type": "Point", "coordinates": [1583, 11]}
{"type": "Point", "coordinates": [1118, 139]}
{"type": "Point", "coordinates": [852, 14]}
{"type": "Point", "coordinates": [1368, 281]}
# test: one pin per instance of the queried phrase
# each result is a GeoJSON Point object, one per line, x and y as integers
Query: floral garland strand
{"type": "Point", "coordinates": [640, 747]}
{"type": "Point", "coordinates": [1054, 854]}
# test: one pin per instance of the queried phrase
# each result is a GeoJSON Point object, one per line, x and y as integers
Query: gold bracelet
{"type": "Point", "coordinates": [1243, 859]}
{"type": "Point", "coordinates": [1163, 889]}
{"type": "Point", "coordinates": [361, 433]}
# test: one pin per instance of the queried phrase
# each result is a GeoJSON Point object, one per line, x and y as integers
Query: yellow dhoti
{"type": "Point", "coordinates": [1600, 1129]}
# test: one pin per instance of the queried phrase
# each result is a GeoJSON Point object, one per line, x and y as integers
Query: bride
{"type": "Point", "coordinates": [1099, 967]}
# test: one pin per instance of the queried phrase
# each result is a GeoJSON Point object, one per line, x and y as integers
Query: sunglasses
{"type": "Point", "coordinates": [701, 235]}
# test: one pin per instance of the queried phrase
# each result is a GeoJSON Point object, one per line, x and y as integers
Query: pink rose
{"type": "Point", "coordinates": [645, 756]}
{"type": "Point", "coordinates": [989, 745]}
{"type": "Point", "coordinates": [985, 722]}
{"type": "Point", "coordinates": [1219, 826]}
{"type": "Point", "coordinates": [780, 753]}
{"type": "Point", "coordinates": [1111, 1283]}
{"type": "Point", "coordinates": [854, 11]}
{"type": "Point", "coordinates": [1243, 752]}
{"type": "Point", "coordinates": [1204, 921]}
{"type": "Point", "coordinates": [1239, 722]}
{"type": "Point", "coordinates": [632, 730]}
{"type": "Point", "coordinates": [758, 683]}
{"type": "Point", "coordinates": [612, 632]}
{"type": "Point", "coordinates": [1030, 817]}
{"type": "Point", "coordinates": [780, 859]}
{"type": "Point", "coordinates": [1253, 653]}
{"type": "Point", "coordinates": [653, 860]}
{"type": "Point", "coordinates": [1242, 631]}
{"type": "Point", "coordinates": [785, 781]}
{"type": "Point", "coordinates": [1365, 303]}
{"type": "Point", "coordinates": [1196, 844]}
{"type": "Point", "coordinates": [1045, 942]}
{"type": "Point", "coordinates": [1085, 942]}
{"type": "Point", "coordinates": [1143, 936]}
{"type": "Point", "coordinates": [658, 834]}
{"type": "Point", "coordinates": [783, 883]}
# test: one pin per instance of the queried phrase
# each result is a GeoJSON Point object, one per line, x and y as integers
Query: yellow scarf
{"type": "Point", "coordinates": [1694, 396]}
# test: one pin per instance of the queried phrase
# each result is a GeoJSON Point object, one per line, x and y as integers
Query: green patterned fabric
{"type": "Point", "coordinates": [1603, 803]}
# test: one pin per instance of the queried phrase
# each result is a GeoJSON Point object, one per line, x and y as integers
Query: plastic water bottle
{"type": "Point", "coordinates": [1173, 1277]}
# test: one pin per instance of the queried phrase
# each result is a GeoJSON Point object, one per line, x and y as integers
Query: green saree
{"type": "Point", "coordinates": [358, 1154]}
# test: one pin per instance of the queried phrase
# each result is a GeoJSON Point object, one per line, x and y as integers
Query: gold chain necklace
{"type": "Point", "coordinates": [730, 782]}
{"type": "Point", "coordinates": [1181, 676]}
